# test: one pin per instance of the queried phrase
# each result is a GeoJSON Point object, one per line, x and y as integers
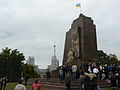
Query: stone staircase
{"type": "Point", "coordinates": [55, 84]}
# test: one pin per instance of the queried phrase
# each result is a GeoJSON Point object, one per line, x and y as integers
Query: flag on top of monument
{"type": "Point", "coordinates": [78, 5]}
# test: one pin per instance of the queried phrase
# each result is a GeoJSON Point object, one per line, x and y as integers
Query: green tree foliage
{"type": "Point", "coordinates": [113, 58]}
{"type": "Point", "coordinates": [11, 64]}
{"type": "Point", "coordinates": [28, 70]}
{"type": "Point", "coordinates": [109, 59]}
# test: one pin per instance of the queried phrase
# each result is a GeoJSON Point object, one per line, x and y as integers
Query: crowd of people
{"type": "Point", "coordinates": [89, 73]}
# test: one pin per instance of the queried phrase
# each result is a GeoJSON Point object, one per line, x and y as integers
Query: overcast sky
{"type": "Point", "coordinates": [32, 26]}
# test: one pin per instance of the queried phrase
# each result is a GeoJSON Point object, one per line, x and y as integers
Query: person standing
{"type": "Point", "coordinates": [4, 82]}
{"type": "Point", "coordinates": [118, 80]}
{"type": "Point", "coordinates": [95, 71]}
{"type": "Point", "coordinates": [87, 85]}
{"type": "Point", "coordinates": [36, 86]}
{"type": "Point", "coordinates": [113, 82]}
{"type": "Point", "coordinates": [26, 79]}
{"type": "Point", "coordinates": [1, 83]}
{"type": "Point", "coordinates": [61, 74]}
{"type": "Point", "coordinates": [68, 80]}
{"type": "Point", "coordinates": [48, 75]}
{"type": "Point", "coordinates": [64, 68]}
{"type": "Point", "coordinates": [81, 83]}
{"type": "Point", "coordinates": [74, 69]}
{"type": "Point", "coordinates": [94, 83]}
{"type": "Point", "coordinates": [20, 86]}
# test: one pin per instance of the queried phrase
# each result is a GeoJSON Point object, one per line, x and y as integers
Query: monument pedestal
{"type": "Point", "coordinates": [81, 42]}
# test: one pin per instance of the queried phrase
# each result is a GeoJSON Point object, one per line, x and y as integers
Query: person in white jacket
{"type": "Point", "coordinates": [20, 86]}
{"type": "Point", "coordinates": [96, 71]}
{"type": "Point", "coordinates": [74, 70]}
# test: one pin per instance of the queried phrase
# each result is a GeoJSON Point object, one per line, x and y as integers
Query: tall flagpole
{"type": "Point", "coordinates": [54, 49]}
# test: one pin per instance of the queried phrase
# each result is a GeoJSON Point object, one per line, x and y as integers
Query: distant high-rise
{"type": "Point", "coordinates": [31, 60]}
{"type": "Point", "coordinates": [54, 61]}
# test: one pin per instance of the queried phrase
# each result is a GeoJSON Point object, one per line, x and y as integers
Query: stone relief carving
{"type": "Point", "coordinates": [73, 52]}
{"type": "Point", "coordinates": [69, 57]}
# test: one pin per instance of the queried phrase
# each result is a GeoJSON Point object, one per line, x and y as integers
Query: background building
{"type": "Point", "coordinates": [31, 61]}
{"type": "Point", "coordinates": [36, 69]}
{"type": "Point", "coordinates": [54, 61]}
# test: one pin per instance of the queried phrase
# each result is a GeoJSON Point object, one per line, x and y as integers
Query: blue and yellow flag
{"type": "Point", "coordinates": [78, 5]}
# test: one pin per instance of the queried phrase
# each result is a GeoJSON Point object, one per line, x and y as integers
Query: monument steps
{"type": "Point", "coordinates": [55, 84]}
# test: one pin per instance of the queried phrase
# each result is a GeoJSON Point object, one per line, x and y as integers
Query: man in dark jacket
{"type": "Point", "coordinates": [87, 85]}
{"type": "Point", "coordinates": [48, 74]}
{"type": "Point", "coordinates": [113, 82]}
{"type": "Point", "coordinates": [68, 80]}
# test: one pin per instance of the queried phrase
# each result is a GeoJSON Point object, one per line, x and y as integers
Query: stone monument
{"type": "Point", "coordinates": [81, 42]}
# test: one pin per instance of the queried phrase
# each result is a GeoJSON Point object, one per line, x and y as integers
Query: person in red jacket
{"type": "Point", "coordinates": [36, 86]}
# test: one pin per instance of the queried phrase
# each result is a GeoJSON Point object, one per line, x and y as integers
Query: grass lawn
{"type": "Point", "coordinates": [10, 86]}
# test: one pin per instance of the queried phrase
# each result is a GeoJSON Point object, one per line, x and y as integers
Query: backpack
{"type": "Point", "coordinates": [35, 88]}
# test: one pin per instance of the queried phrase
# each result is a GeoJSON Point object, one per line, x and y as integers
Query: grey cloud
{"type": "Point", "coordinates": [32, 26]}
